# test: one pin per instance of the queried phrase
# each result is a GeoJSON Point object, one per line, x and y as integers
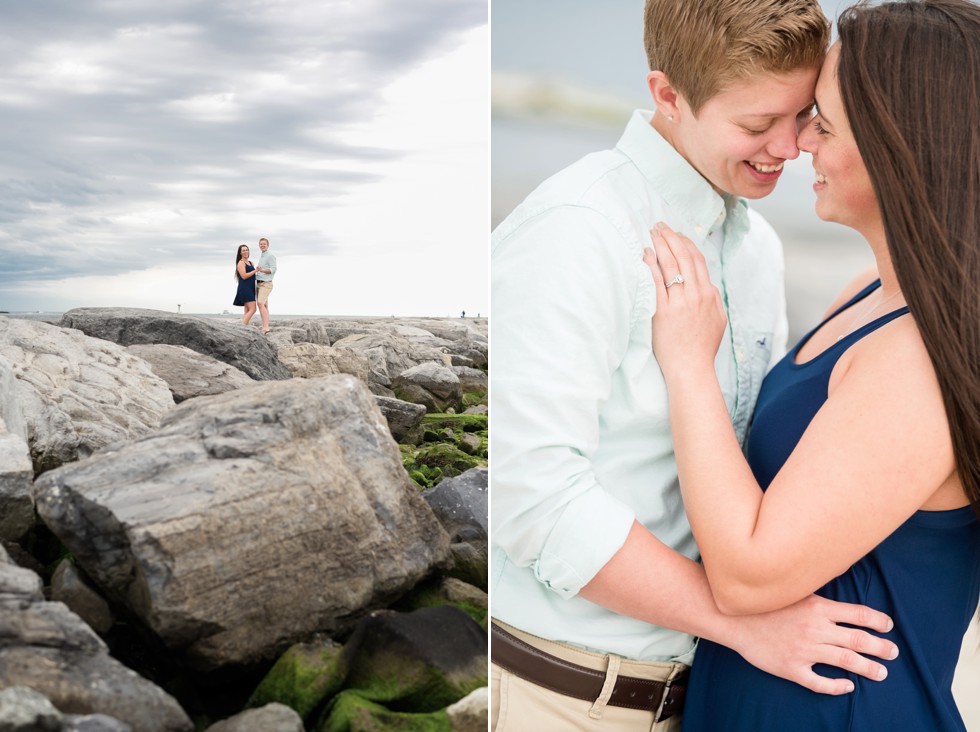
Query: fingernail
{"type": "Point", "coordinates": [660, 225]}
{"type": "Point", "coordinates": [894, 654]}
{"type": "Point", "coordinates": [648, 251]}
{"type": "Point", "coordinates": [849, 687]}
{"type": "Point", "coordinates": [882, 673]}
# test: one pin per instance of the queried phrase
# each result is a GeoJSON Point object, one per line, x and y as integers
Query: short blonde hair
{"type": "Point", "coordinates": [703, 46]}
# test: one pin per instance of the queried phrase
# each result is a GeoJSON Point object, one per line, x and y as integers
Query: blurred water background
{"type": "Point", "coordinates": [565, 76]}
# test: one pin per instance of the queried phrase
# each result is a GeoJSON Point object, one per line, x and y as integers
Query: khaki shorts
{"type": "Point", "coordinates": [518, 705]}
{"type": "Point", "coordinates": [262, 291]}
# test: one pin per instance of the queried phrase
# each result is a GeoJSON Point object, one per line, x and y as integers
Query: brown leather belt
{"type": "Point", "coordinates": [570, 679]}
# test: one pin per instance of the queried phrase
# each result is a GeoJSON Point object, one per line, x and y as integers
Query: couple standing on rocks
{"type": "Point", "coordinates": [255, 282]}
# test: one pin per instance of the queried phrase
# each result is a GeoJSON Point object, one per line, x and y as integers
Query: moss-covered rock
{"type": "Point", "coordinates": [451, 460]}
{"type": "Point", "coordinates": [303, 678]}
{"type": "Point", "coordinates": [448, 591]}
{"type": "Point", "coordinates": [464, 422]}
{"type": "Point", "coordinates": [351, 712]}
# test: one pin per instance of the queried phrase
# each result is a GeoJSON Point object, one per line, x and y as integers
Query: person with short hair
{"type": "Point", "coordinates": [264, 272]}
{"type": "Point", "coordinates": [597, 597]}
{"type": "Point", "coordinates": [861, 476]}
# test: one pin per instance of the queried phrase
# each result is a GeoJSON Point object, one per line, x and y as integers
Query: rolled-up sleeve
{"type": "Point", "coordinates": [563, 285]}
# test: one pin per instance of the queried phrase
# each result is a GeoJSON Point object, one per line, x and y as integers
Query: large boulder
{"type": "Point", "coordinates": [76, 394]}
{"type": "Point", "coordinates": [250, 519]}
{"type": "Point", "coordinates": [244, 348]}
{"type": "Point", "coordinates": [435, 387]}
{"type": "Point", "coordinates": [389, 354]}
{"type": "Point", "coordinates": [308, 360]}
{"type": "Point", "coordinates": [404, 418]}
{"type": "Point", "coordinates": [46, 647]}
{"type": "Point", "coordinates": [188, 373]}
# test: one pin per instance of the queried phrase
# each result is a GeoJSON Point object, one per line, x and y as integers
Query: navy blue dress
{"type": "Point", "coordinates": [246, 288]}
{"type": "Point", "coordinates": [926, 576]}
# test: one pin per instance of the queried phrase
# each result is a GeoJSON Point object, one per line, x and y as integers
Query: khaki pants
{"type": "Point", "coordinates": [517, 705]}
{"type": "Point", "coordinates": [263, 291]}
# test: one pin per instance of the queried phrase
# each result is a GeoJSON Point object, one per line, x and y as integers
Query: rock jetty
{"type": "Point", "coordinates": [205, 528]}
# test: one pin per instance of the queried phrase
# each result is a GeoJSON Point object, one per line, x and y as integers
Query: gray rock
{"type": "Point", "coordinates": [17, 584]}
{"type": "Point", "coordinates": [25, 710]}
{"type": "Point", "coordinates": [389, 354]}
{"type": "Point", "coordinates": [471, 713]}
{"type": "Point", "coordinates": [16, 477]}
{"type": "Point", "coordinates": [461, 503]}
{"type": "Point", "coordinates": [188, 373]}
{"type": "Point", "coordinates": [403, 419]}
{"type": "Point", "coordinates": [270, 718]}
{"type": "Point", "coordinates": [430, 384]}
{"type": "Point", "coordinates": [11, 412]}
{"type": "Point", "coordinates": [244, 348]}
{"type": "Point", "coordinates": [299, 330]}
{"type": "Point", "coordinates": [93, 723]}
{"type": "Point", "coordinates": [69, 587]}
{"type": "Point", "coordinates": [77, 394]}
{"type": "Point", "coordinates": [470, 443]}
{"type": "Point", "coordinates": [472, 380]}
{"type": "Point", "coordinates": [46, 647]}
{"type": "Point", "coordinates": [250, 519]}
{"type": "Point", "coordinates": [308, 360]}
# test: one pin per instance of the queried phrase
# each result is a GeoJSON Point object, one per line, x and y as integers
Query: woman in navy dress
{"type": "Point", "coordinates": [245, 276]}
{"type": "Point", "coordinates": [861, 476]}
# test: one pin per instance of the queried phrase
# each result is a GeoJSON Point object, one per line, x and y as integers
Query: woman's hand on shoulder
{"type": "Point", "coordinates": [690, 318]}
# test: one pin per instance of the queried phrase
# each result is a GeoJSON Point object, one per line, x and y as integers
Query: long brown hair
{"type": "Point", "coordinates": [909, 75]}
{"type": "Point", "coordinates": [238, 258]}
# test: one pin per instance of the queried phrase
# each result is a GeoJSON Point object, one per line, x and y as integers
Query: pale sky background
{"type": "Point", "coordinates": [144, 141]}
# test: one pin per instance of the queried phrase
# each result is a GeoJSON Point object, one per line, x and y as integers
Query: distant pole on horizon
{"type": "Point", "coordinates": [178, 308]}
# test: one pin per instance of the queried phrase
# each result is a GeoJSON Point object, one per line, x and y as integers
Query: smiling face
{"type": "Point", "coordinates": [742, 136]}
{"type": "Point", "coordinates": [243, 252]}
{"type": "Point", "coordinates": [843, 187]}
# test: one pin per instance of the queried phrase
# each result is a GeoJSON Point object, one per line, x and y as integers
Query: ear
{"type": "Point", "coordinates": [665, 97]}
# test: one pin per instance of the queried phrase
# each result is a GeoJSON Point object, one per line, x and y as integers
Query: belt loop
{"type": "Point", "coordinates": [612, 673]}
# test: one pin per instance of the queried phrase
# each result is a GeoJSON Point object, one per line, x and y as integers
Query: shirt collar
{"type": "Point", "coordinates": [682, 187]}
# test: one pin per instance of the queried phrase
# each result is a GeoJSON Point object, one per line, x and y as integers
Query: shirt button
{"type": "Point", "coordinates": [699, 229]}
{"type": "Point", "coordinates": [741, 355]}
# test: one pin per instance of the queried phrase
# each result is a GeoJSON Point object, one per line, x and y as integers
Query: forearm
{"type": "Point", "coordinates": [649, 581]}
{"type": "Point", "coordinates": [722, 498]}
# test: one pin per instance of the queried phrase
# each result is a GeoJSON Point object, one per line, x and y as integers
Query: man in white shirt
{"type": "Point", "coordinates": [596, 594]}
{"type": "Point", "coordinates": [265, 270]}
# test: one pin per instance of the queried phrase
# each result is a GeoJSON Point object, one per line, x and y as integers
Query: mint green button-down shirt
{"type": "Point", "coordinates": [580, 440]}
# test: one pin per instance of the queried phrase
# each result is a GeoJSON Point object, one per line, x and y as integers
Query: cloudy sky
{"type": "Point", "coordinates": [144, 141]}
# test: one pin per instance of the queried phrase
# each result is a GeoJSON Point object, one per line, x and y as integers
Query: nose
{"type": "Point", "coordinates": [805, 140]}
{"type": "Point", "coordinates": [784, 144]}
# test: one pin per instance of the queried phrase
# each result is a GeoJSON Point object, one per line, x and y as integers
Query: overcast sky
{"type": "Point", "coordinates": [144, 141]}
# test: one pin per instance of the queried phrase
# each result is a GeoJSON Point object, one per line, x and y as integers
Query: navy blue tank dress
{"type": "Point", "coordinates": [246, 288]}
{"type": "Point", "coordinates": [926, 576]}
